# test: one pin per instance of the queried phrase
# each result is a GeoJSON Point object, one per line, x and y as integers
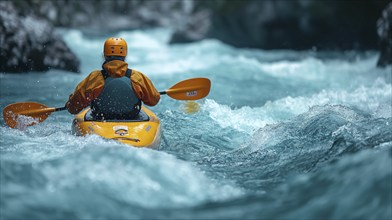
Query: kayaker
{"type": "Point", "coordinates": [115, 92]}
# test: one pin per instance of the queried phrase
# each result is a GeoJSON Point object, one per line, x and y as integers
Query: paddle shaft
{"type": "Point", "coordinates": [41, 111]}
{"type": "Point", "coordinates": [60, 109]}
{"type": "Point", "coordinates": [190, 89]}
{"type": "Point", "coordinates": [49, 110]}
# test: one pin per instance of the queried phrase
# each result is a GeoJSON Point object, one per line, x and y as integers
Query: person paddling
{"type": "Point", "coordinates": [115, 92]}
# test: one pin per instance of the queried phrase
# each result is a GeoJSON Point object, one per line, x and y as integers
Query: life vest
{"type": "Point", "coordinates": [117, 99]}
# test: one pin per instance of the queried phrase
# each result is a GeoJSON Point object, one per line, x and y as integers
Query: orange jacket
{"type": "Point", "coordinates": [92, 85]}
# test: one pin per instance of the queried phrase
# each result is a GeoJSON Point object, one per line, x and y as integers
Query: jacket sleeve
{"type": "Point", "coordinates": [144, 88]}
{"type": "Point", "coordinates": [85, 92]}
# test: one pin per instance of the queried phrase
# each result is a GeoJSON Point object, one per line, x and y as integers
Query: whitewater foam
{"type": "Point", "coordinates": [375, 99]}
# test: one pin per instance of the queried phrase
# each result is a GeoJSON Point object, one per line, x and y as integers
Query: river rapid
{"type": "Point", "coordinates": [282, 135]}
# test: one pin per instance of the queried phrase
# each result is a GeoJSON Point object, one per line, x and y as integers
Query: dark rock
{"type": "Point", "coordinates": [188, 22]}
{"type": "Point", "coordinates": [28, 43]}
{"type": "Point", "coordinates": [270, 24]}
{"type": "Point", "coordinates": [113, 15]}
{"type": "Point", "coordinates": [384, 31]}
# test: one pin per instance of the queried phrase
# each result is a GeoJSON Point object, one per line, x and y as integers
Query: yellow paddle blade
{"type": "Point", "coordinates": [24, 114]}
{"type": "Point", "coordinates": [190, 89]}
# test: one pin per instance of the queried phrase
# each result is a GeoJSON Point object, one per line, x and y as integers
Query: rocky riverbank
{"type": "Point", "coordinates": [28, 43]}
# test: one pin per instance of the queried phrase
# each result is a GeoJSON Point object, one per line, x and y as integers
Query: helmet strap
{"type": "Point", "coordinates": [110, 58]}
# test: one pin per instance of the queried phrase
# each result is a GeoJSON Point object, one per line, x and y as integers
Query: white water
{"type": "Point", "coordinates": [273, 119]}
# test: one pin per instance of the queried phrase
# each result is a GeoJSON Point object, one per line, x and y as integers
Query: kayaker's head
{"type": "Point", "coordinates": [115, 49]}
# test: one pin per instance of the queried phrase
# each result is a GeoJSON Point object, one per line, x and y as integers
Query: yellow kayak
{"type": "Point", "coordinates": [144, 131]}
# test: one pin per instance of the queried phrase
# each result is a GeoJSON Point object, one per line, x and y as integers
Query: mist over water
{"type": "Point", "coordinates": [282, 135]}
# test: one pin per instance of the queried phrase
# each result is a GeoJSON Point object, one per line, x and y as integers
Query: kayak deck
{"type": "Point", "coordinates": [142, 132]}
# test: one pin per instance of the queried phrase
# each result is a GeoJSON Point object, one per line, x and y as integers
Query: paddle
{"type": "Point", "coordinates": [190, 89]}
{"type": "Point", "coordinates": [38, 113]}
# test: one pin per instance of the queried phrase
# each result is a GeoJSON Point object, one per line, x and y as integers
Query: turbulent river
{"type": "Point", "coordinates": [282, 135]}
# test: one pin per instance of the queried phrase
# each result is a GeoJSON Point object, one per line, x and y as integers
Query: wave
{"type": "Point", "coordinates": [354, 187]}
{"type": "Point", "coordinates": [306, 143]}
{"type": "Point", "coordinates": [46, 167]}
{"type": "Point", "coordinates": [374, 99]}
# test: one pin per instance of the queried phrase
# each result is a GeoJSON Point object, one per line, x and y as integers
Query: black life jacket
{"type": "Point", "coordinates": [117, 100]}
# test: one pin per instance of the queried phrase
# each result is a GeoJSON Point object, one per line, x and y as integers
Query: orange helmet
{"type": "Point", "coordinates": [115, 47]}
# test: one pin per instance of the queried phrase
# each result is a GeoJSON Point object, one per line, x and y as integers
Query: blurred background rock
{"type": "Point", "coordinates": [28, 43]}
{"type": "Point", "coordinates": [384, 31]}
{"type": "Point", "coordinates": [268, 24]}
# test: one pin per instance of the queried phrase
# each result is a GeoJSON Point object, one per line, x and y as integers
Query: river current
{"type": "Point", "coordinates": [282, 135]}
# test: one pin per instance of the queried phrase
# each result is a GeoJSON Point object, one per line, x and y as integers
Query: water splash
{"type": "Point", "coordinates": [23, 121]}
